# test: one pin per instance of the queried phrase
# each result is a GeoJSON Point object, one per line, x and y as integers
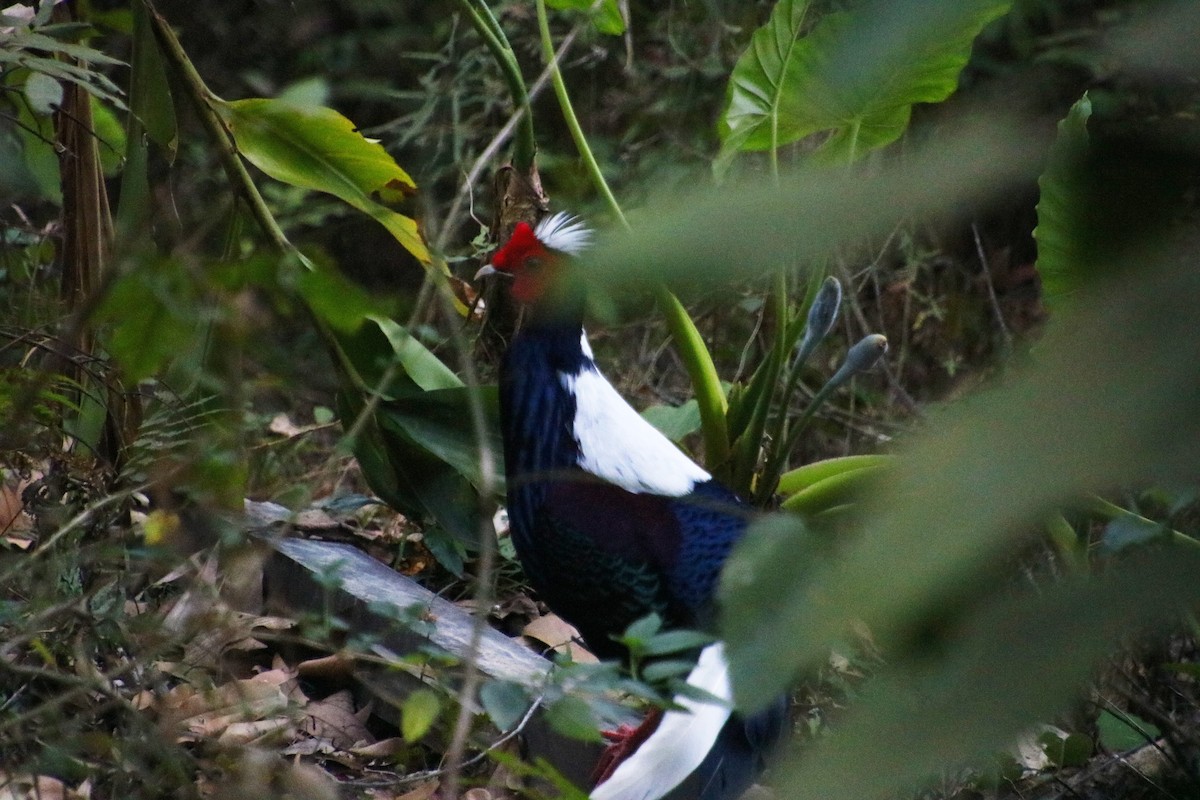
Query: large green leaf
{"type": "Point", "coordinates": [317, 148]}
{"type": "Point", "coordinates": [856, 75]}
{"type": "Point", "coordinates": [1062, 206]}
{"type": "Point", "coordinates": [439, 422]}
{"type": "Point", "coordinates": [404, 472]}
{"type": "Point", "coordinates": [606, 15]}
{"type": "Point", "coordinates": [755, 91]}
{"type": "Point", "coordinates": [380, 343]}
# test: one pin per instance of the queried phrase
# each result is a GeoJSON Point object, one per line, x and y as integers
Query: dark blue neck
{"type": "Point", "coordinates": [537, 412]}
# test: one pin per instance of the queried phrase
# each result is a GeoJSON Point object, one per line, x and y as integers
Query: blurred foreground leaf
{"type": "Point", "coordinates": [1013, 664]}
{"type": "Point", "coordinates": [1113, 398]}
{"type": "Point", "coordinates": [741, 230]}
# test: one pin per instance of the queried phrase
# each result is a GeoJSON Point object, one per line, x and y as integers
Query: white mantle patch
{"type": "Point", "coordinates": [617, 445]}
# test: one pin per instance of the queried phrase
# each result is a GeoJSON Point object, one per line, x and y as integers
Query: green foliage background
{"type": "Point", "coordinates": [757, 148]}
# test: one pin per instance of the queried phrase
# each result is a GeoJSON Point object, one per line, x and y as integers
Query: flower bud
{"type": "Point", "coordinates": [821, 316]}
{"type": "Point", "coordinates": [861, 357]}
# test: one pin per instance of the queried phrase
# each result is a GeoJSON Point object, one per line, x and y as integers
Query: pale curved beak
{"type": "Point", "coordinates": [485, 270]}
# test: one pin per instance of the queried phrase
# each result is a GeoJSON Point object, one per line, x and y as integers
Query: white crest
{"type": "Point", "coordinates": [680, 742]}
{"type": "Point", "coordinates": [564, 233]}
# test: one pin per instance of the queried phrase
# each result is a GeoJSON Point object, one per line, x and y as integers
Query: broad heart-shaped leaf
{"type": "Point", "coordinates": [606, 16]}
{"type": "Point", "coordinates": [754, 94]}
{"type": "Point", "coordinates": [1062, 206]}
{"type": "Point", "coordinates": [317, 148]}
{"type": "Point", "coordinates": [856, 74]}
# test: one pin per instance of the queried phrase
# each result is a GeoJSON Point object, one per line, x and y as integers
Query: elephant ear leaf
{"type": "Point", "coordinates": [797, 79]}
{"type": "Point", "coordinates": [1061, 205]}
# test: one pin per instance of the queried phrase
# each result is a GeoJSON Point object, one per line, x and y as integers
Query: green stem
{"type": "Point", "coordinates": [1102, 508]}
{"type": "Point", "coordinates": [202, 99]}
{"type": "Point", "coordinates": [778, 460]}
{"type": "Point", "coordinates": [568, 112]}
{"type": "Point", "coordinates": [750, 441]}
{"type": "Point", "coordinates": [853, 151]}
{"type": "Point", "coordinates": [485, 23]}
{"type": "Point", "coordinates": [692, 351]}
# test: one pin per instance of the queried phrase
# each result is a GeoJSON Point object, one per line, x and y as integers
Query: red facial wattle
{"type": "Point", "coordinates": [526, 259]}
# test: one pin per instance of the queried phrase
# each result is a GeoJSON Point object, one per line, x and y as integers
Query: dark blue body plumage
{"type": "Point", "coordinates": [601, 556]}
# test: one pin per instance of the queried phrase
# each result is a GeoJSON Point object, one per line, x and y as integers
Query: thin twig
{"type": "Point", "coordinates": [431, 774]}
{"type": "Point", "coordinates": [502, 136]}
{"type": "Point", "coordinates": [1005, 333]}
{"type": "Point", "coordinates": [486, 564]}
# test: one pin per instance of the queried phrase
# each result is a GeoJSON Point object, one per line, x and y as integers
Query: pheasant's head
{"type": "Point", "coordinates": [535, 256]}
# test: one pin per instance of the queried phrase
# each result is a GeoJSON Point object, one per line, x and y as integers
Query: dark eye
{"type": "Point", "coordinates": [534, 264]}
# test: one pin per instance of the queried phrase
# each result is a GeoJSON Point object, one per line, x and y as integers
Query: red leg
{"type": "Point", "coordinates": [625, 741]}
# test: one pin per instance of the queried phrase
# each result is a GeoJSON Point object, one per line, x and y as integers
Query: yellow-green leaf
{"type": "Point", "coordinates": [418, 714]}
{"type": "Point", "coordinates": [317, 148]}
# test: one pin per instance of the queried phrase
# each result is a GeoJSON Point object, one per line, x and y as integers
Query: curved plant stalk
{"type": "Point", "coordinates": [710, 396]}
{"type": "Point", "coordinates": [862, 356]}
{"type": "Point", "coordinates": [202, 98]}
{"type": "Point", "coordinates": [524, 145]}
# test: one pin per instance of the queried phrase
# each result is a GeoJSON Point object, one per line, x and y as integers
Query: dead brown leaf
{"type": "Point", "coordinates": [422, 792]}
{"type": "Point", "coordinates": [334, 719]}
{"type": "Point", "coordinates": [13, 519]}
{"type": "Point", "coordinates": [260, 733]}
{"type": "Point", "coordinates": [264, 698]}
{"type": "Point", "coordinates": [226, 631]}
{"type": "Point", "coordinates": [336, 667]}
{"type": "Point", "coordinates": [282, 424]}
{"type": "Point", "coordinates": [384, 748]}
{"type": "Point", "coordinates": [39, 787]}
{"type": "Point", "coordinates": [554, 632]}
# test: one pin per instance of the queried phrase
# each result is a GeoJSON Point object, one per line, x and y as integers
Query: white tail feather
{"type": "Point", "coordinates": [680, 742]}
